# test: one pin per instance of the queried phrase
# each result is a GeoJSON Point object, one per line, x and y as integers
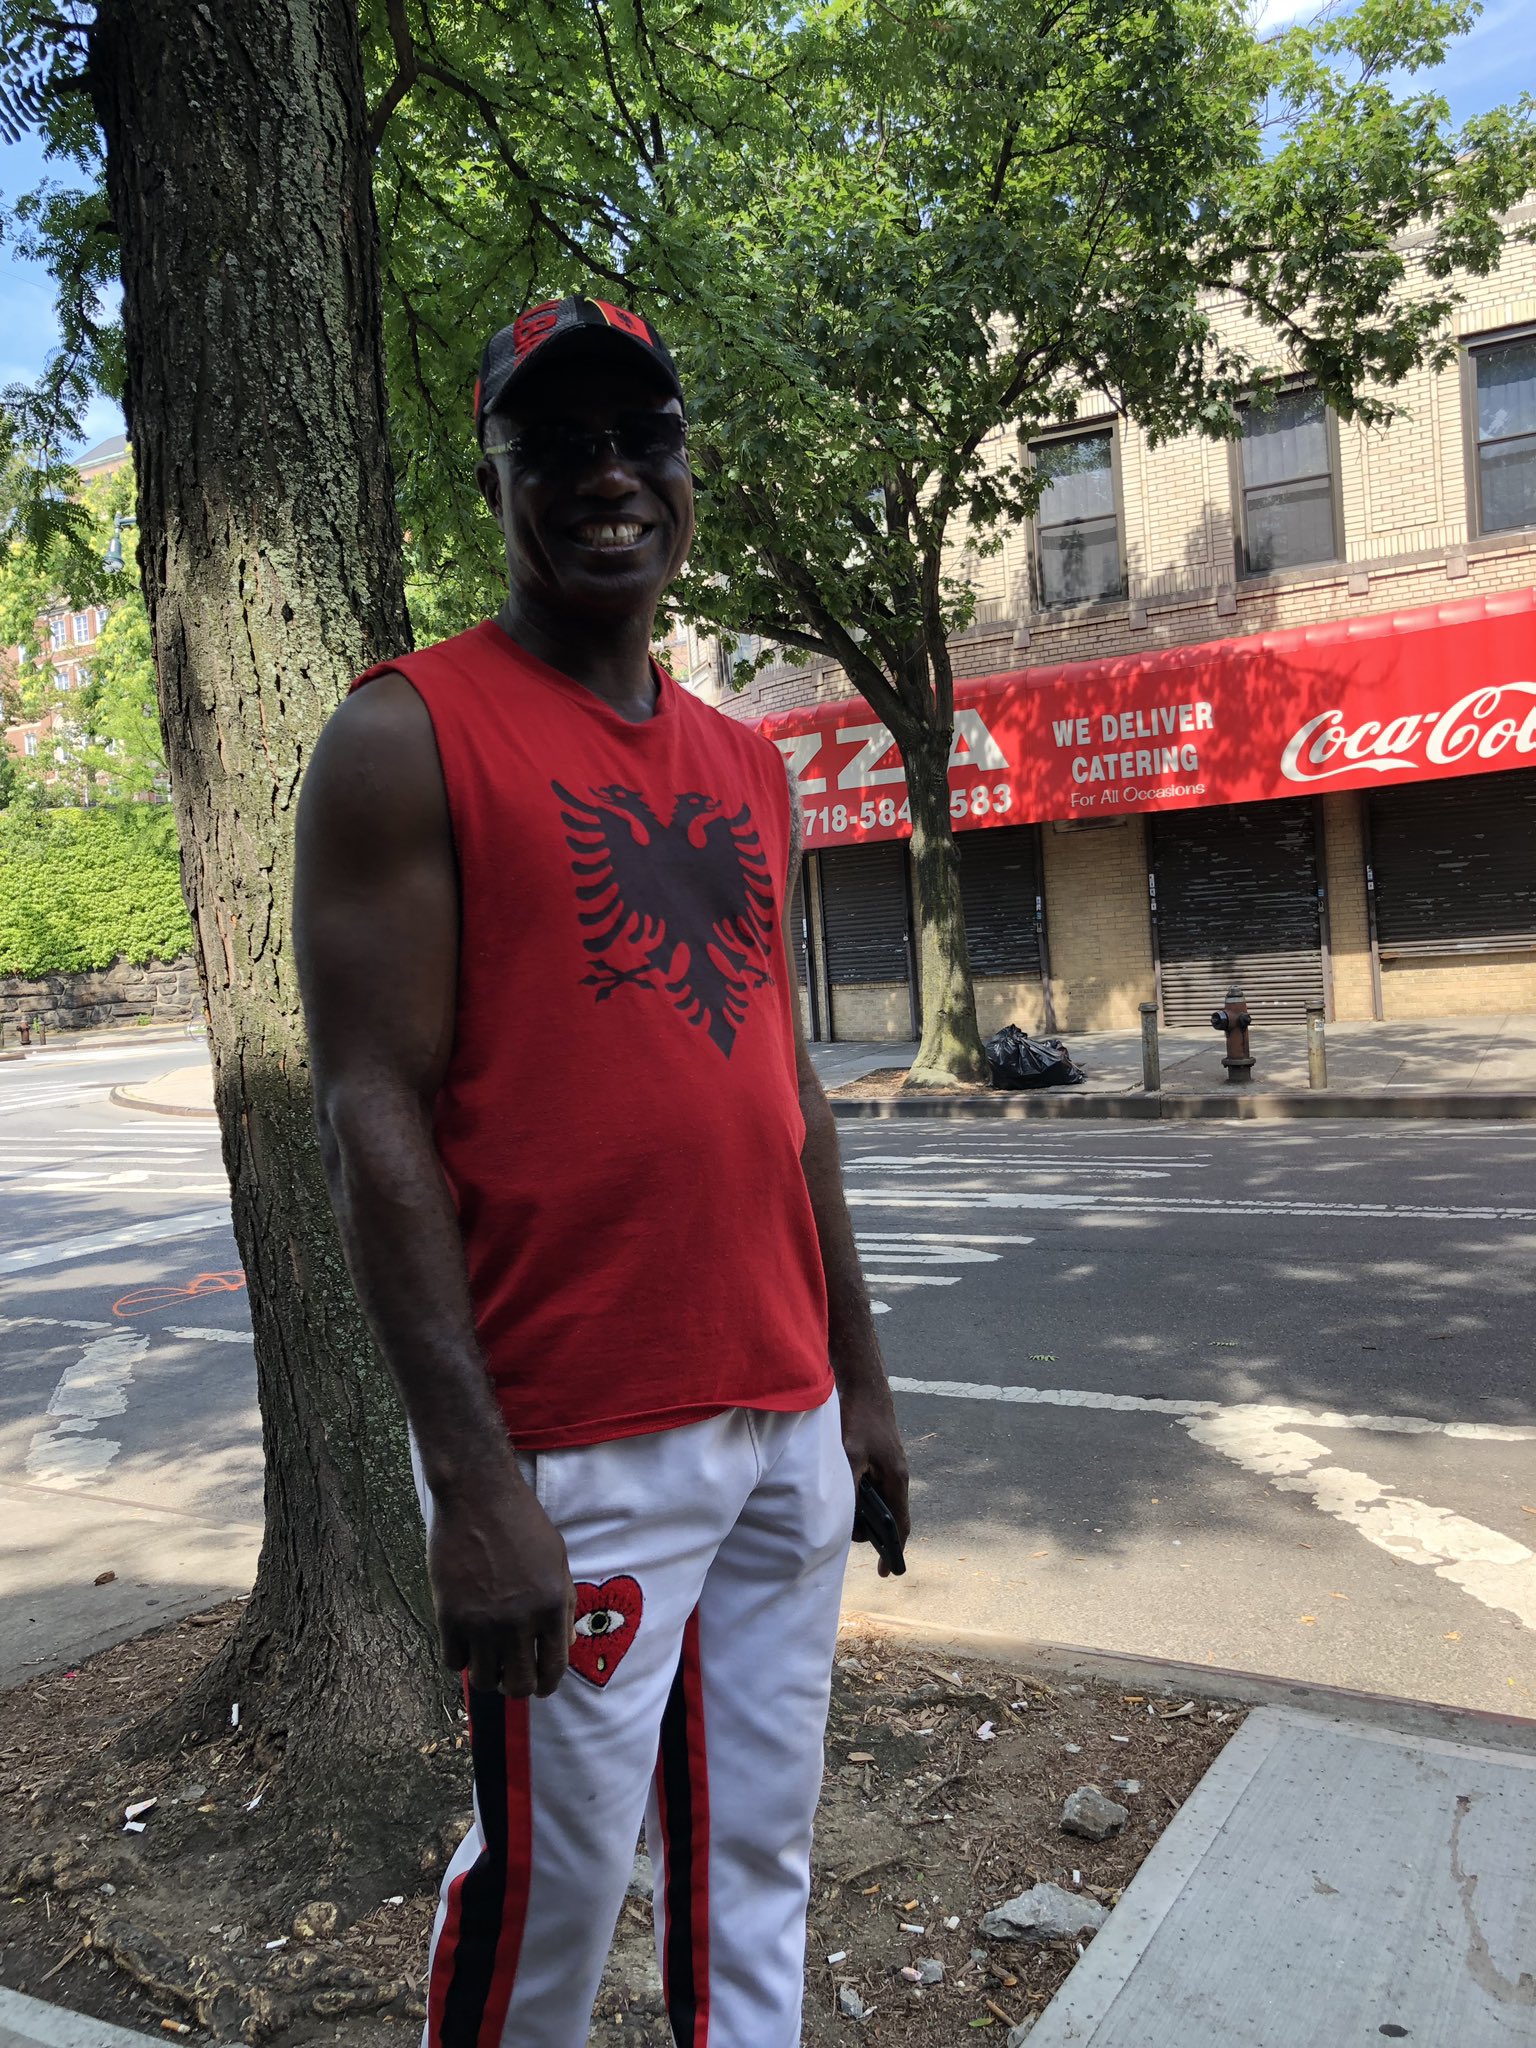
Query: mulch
{"type": "Point", "coordinates": [945, 1782]}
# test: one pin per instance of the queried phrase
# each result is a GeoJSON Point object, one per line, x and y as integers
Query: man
{"type": "Point", "coordinates": [588, 1187]}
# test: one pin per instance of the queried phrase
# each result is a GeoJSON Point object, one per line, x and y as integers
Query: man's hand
{"type": "Point", "coordinates": [505, 1602]}
{"type": "Point", "coordinates": [873, 1444]}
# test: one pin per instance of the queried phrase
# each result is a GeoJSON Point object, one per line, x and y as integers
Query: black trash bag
{"type": "Point", "coordinates": [1019, 1061]}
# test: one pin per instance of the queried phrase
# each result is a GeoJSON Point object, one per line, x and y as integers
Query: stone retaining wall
{"type": "Point", "coordinates": [120, 994]}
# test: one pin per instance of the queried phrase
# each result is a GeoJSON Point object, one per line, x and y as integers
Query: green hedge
{"type": "Point", "coordinates": [78, 889]}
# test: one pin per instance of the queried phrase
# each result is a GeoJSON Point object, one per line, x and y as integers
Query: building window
{"type": "Point", "coordinates": [58, 632]}
{"type": "Point", "coordinates": [1505, 373]}
{"type": "Point", "coordinates": [1077, 523]}
{"type": "Point", "coordinates": [1289, 517]}
{"type": "Point", "coordinates": [84, 629]}
{"type": "Point", "coordinates": [101, 620]}
{"type": "Point", "coordinates": [64, 675]}
{"type": "Point", "coordinates": [29, 743]}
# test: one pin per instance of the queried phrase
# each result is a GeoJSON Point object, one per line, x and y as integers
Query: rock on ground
{"type": "Point", "coordinates": [1089, 1814]}
{"type": "Point", "coordinates": [1044, 1913]}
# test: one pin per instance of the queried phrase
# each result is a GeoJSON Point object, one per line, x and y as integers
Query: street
{"type": "Point", "coordinates": [1259, 1395]}
{"type": "Point", "coordinates": [129, 1441]}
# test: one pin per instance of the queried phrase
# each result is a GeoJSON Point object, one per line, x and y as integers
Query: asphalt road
{"type": "Point", "coordinates": [1258, 1395]}
{"type": "Point", "coordinates": [129, 1437]}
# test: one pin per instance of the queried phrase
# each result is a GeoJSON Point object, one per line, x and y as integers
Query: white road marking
{"type": "Point", "coordinates": [917, 1279]}
{"type": "Point", "coordinates": [192, 1223]}
{"type": "Point", "coordinates": [153, 1126]}
{"type": "Point", "coordinates": [113, 1184]}
{"type": "Point", "coordinates": [77, 1323]}
{"type": "Point", "coordinates": [934, 1255]}
{"type": "Point", "coordinates": [1262, 1438]}
{"type": "Point", "coordinates": [51, 1323]}
{"type": "Point", "coordinates": [936, 1237]}
{"type": "Point", "coordinates": [90, 1390]}
{"type": "Point", "coordinates": [1311, 1418]}
{"type": "Point", "coordinates": [1492, 1567]}
{"type": "Point", "coordinates": [49, 1098]}
{"type": "Point", "coordinates": [1180, 1205]}
{"type": "Point", "coordinates": [942, 1162]}
{"type": "Point", "coordinates": [49, 1148]}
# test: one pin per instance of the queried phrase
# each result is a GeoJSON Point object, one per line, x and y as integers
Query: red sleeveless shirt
{"type": "Point", "coordinates": [620, 1124]}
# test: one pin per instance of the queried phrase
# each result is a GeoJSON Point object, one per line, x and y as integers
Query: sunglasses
{"type": "Point", "coordinates": [648, 439]}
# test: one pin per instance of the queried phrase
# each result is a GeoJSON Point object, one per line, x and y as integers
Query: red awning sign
{"type": "Point", "coordinates": [1404, 697]}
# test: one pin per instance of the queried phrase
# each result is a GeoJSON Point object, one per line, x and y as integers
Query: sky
{"type": "Point", "coordinates": [1495, 63]}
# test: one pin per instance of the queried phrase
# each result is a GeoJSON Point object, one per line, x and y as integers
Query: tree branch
{"type": "Point", "coordinates": [408, 70]}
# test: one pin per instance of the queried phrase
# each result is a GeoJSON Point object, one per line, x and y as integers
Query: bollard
{"type": "Point", "coordinates": [1317, 1047]}
{"type": "Point", "coordinates": [1151, 1068]}
{"type": "Point", "coordinates": [1238, 1060]}
{"type": "Point", "coordinates": [24, 1031]}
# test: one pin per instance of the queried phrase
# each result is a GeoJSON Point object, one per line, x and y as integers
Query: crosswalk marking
{"type": "Point", "coordinates": [945, 1163]}
{"type": "Point", "coordinates": [880, 1251]}
{"type": "Point", "coordinates": [1182, 1205]}
{"type": "Point", "coordinates": [49, 1323]}
{"type": "Point", "coordinates": [158, 1230]}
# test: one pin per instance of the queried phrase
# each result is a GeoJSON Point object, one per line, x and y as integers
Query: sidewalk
{"type": "Point", "coordinates": [1327, 1882]}
{"type": "Point", "coordinates": [105, 1036]}
{"type": "Point", "coordinates": [1456, 1066]}
{"type": "Point", "coordinates": [185, 1091]}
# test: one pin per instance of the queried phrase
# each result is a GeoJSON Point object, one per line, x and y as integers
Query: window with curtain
{"type": "Point", "coordinates": [1077, 525]}
{"type": "Point", "coordinates": [1506, 434]}
{"type": "Point", "coordinates": [1287, 472]}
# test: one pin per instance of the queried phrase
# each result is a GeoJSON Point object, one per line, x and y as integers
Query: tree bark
{"type": "Point", "coordinates": [951, 1048]}
{"type": "Point", "coordinates": [238, 173]}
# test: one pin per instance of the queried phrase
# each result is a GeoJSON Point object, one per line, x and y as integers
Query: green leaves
{"type": "Point", "coordinates": [80, 888]}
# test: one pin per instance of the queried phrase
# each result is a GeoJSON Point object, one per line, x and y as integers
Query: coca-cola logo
{"type": "Point", "coordinates": [1470, 730]}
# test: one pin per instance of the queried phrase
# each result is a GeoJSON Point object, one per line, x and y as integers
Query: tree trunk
{"type": "Point", "coordinates": [950, 1051]}
{"type": "Point", "coordinates": [238, 174]}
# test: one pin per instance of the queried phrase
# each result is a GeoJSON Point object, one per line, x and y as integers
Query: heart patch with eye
{"type": "Point", "coordinates": [607, 1617]}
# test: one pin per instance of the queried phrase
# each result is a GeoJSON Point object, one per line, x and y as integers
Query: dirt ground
{"type": "Point", "coordinates": [888, 1081]}
{"type": "Point", "coordinates": [943, 1797]}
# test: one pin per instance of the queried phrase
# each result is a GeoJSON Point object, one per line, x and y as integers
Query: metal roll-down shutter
{"type": "Point", "coordinates": [1236, 905]}
{"type": "Point", "coordinates": [864, 914]}
{"type": "Point", "coordinates": [1455, 865]}
{"type": "Point", "coordinates": [999, 884]}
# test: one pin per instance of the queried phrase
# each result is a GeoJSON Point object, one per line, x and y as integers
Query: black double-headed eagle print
{"type": "Point", "coordinates": [685, 907]}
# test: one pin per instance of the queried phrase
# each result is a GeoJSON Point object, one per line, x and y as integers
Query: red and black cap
{"type": "Point", "coordinates": [551, 329]}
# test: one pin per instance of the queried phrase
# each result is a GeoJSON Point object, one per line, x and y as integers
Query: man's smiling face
{"type": "Point", "coordinates": [588, 530]}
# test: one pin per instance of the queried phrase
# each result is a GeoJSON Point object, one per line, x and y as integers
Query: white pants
{"type": "Point", "coordinates": [708, 1564]}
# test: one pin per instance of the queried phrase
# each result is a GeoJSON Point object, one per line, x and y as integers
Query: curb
{"type": "Point", "coordinates": [125, 1098]}
{"type": "Point", "coordinates": [1424, 1719]}
{"type": "Point", "coordinates": [29, 2020]}
{"type": "Point", "coordinates": [1243, 1108]}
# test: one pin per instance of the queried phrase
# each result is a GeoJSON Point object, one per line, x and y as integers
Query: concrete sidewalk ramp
{"type": "Point", "coordinates": [1327, 1884]}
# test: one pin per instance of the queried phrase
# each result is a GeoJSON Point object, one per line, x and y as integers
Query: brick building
{"type": "Point", "coordinates": [66, 642]}
{"type": "Point", "coordinates": [1261, 711]}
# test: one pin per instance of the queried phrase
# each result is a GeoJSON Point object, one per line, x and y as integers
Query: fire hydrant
{"type": "Point", "coordinates": [1238, 1060]}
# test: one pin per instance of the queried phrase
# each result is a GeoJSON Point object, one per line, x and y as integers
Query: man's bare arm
{"type": "Point", "coordinates": [870, 1434]}
{"type": "Point", "coordinates": [376, 938]}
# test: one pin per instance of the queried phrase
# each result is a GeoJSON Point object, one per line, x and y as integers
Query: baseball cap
{"type": "Point", "coordinates": [547, 330]}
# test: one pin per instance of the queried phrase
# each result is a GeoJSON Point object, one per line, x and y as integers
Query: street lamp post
{"type": "Point", "coordinates": [112, 560]}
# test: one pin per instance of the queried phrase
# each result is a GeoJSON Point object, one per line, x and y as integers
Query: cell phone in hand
{"type": "Point", "coordinates": [874, 1523]}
